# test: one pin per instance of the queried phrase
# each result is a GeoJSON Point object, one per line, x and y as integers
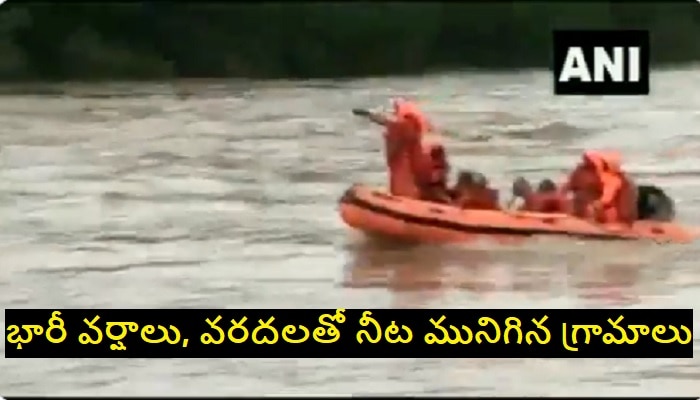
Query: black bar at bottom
{"type": "Point", "coordinates": [380, 333]}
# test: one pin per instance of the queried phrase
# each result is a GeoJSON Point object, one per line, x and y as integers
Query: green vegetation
{"type": "Point", "coordinates": [47, 41]}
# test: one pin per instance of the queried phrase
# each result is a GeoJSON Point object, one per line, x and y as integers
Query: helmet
{"type": "Point", "coordinates": [612, 160]}
{"type": "Point", "coordinates": [408, 110]}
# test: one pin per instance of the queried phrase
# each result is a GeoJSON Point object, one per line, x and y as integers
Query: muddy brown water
{"type": "Point", "coordinates": [222, 194]}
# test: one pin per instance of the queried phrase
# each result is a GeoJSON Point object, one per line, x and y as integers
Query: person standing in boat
{"type": "Point", "coordinates": [415, 155]}
{"type": "Point", "coordinates": [602, 191]}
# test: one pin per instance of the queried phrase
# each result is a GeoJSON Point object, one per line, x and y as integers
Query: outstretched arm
{"type": "Point", "coordinates": [377, 118]}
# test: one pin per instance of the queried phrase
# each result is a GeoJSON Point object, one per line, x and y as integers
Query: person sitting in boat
{"type": "Point", "coordinates": [602, 191]}
{"type": "Point", "coordinates": [546, 199]}
{"type": "Point", "coordinates": [654, 204]}
{"type": "Point", "coordinates": [461, 189]}
{"type": "Point", "coordinates": [415, 155]}
{"type": "Point", "coordinates": [472, 192]}
{"type": "Point", "coordinates": [434, 170]}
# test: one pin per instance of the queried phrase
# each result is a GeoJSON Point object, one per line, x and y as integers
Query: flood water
{"type": "Point", "coordinates": [223, 194]}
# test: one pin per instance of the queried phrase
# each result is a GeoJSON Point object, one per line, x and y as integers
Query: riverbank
{"type": "Point", "coordinates": [312, 40]}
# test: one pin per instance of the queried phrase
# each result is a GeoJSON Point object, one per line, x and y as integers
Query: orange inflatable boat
{"type": "Point", "coordinates": [374, 211]}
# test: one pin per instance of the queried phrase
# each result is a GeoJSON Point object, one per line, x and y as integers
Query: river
{"type": "Point", "coordinates": [223, 194]}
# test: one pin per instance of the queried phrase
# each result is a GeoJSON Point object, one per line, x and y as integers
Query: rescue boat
{"type": "Point", "coordinates": [376, 212]}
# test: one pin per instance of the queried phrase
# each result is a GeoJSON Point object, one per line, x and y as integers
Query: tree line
{"type": "Point", "coordinates": [161, 40]}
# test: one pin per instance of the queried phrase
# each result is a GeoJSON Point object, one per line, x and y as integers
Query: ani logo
{"type": "Point", "coordinates": [601, 62]}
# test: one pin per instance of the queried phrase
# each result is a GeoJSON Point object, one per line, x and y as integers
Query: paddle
{"type": "Point", "coordinates": [361, 112]}
{"type": "Point", "coordinates": [378, 118]}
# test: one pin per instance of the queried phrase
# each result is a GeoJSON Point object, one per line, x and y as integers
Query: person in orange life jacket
{"type": "Point", "coordinates": [432, 172]}
{"type": "Point", "coordinates": [545, 200]}
{"type": "Point", "coordinates": [472, 192]}
{"type": "Point", "coordinates": [415, 156]}
{"type": "Point", "coordinates": [602, 191]}
{"type": "Point", "coordinates": [429, 158]}
{"type": "Point", "coordinates": [619, 202]}
{"type": "Point", "coordinates": [401, 137]}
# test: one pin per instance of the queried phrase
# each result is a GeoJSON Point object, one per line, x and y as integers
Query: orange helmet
{"type": "Point", "coordinates": [595, 159]}
{"type": "Point", "coordinates": [603, 161]}
{"type": "Point", "coordinates": [405, 109]}
{"type": "Point", "coordinates": [613, 160]}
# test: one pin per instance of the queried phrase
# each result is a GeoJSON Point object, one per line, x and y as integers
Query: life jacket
{"type": "Point", "coordinates": [605, 183]}
{"type": "Point", "coordinates": [600, 167]}
{"type": "Point", "coordinates": [550, 202]}
{"type": "Point", "coordinates": [475, 198]}
{"type": "Point", "coordinates": [429, 159]}
{"type": "Point", "coordinates": [584, 178]}
{"type": "Point", "coordinates": [607, 165]}
{"type": "Point", "coordinates": [431, 165]}
{"type": "Point", "coordinates": [402, 143]}
{"type": "Point", "coordinates": [399, 162]}
{"type": "Point", "coordinates": [619, 192]}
